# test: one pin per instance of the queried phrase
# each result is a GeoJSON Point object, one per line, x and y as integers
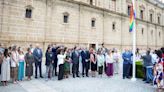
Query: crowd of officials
{"type": "Point", "coordinates": [61, 61]}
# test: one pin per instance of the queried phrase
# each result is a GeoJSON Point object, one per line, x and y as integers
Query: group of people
{"type": "Point", "coordinates": [68, 61]}
{"type": "Point", "coordinates": [153, 65]}
{"type": "Point", "coordinates": [61, 61]}
{"type": "Point", "coordinates": [15, 64]}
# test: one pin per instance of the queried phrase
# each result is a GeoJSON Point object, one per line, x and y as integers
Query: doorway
{"type": "Point", "coordinates": [92, 46]}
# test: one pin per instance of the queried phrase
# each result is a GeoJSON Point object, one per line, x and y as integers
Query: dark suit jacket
{"type": "Point", "coordinates": [54, 51]}
{"type": "Point", "coordinates": [49, 58]}
{"type": "Point", "coordinates": [83, 56]}
{"type": "Point", "coordinates": [87, 55]}
{"type": "Point", "coordinates": [37, 56]}
{"type": "Point", "coordinates": [75, 58]}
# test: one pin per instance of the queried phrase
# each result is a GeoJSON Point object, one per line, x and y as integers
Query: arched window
{"type": "Point", "coordinates": [91, 2]}
{"type": "Point", "coordinates": [159, 34]}
{"type": "Point", "coordinates": [65, 17]}
{"type": "Point", "coordinates": [114, 26]}
{"type": "Point", "coordinates": [158, 19]}
{"type": "Point", "coordinates": [93, 22]}
{"type": "Point", "coordinates": [142, 31]}
{"type": "Point", "coordinates": [128, 9]}
{"type": "Point", "coordinates": [142, 8]}
{"type": "Point", "coordinates": [28, 11]}
{"type": "Point", "coordinates": [151, 32]}
{"type": "Point", "coordinates": [151, 15]}
{"type": "Point", "coordinates": [141, 14]}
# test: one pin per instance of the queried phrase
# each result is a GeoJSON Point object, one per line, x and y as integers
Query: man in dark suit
{"type": "Point", "coordinates": [54, 51]}
{"type": "Point", "coordinates": [38, 60]}
{"type": "Point", "coordinates": [85, 61]}
{"type": "Point", "coordinates": [75, 60]}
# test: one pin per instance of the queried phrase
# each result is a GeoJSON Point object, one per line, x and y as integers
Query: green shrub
{"type": "Point", "coordinates": [139, 69]}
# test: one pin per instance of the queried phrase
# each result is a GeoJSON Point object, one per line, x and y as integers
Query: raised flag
{"type": "Point", "coordinates": [132, 17]}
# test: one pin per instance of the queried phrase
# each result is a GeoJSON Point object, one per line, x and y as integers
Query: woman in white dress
{"type": "Point", "coordinates": [116, 62]}
{"type": "Point", "coordinates": [5, 69]}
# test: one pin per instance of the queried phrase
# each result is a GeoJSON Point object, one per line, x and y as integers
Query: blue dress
{"type": "Point", "coordinates": [21, 67]}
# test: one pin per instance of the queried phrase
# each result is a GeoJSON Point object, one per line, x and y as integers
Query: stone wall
{"type": "Point", "coordinates": [46, 25]}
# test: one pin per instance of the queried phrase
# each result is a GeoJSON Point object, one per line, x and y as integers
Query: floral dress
{"type": "Point", "coordinates": [158, 74]}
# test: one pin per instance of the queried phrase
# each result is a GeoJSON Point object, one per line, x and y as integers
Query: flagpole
{"type": "Point", "coordinates": [134, 44]}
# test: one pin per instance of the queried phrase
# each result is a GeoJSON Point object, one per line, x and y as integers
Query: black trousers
{"type": "Point", "coordinates": [100, 70]}
{"type": "Point", "coordinates": [105, 67]}
{"type": "Point", "coordinates": [55, 68]}
{"type": "Point", "coordinates": [85, 67]}
{"type": "Point", "coordinates": [75, 69]}
{"type": "Point", "coordinates": [61, 72]}
{"type": "Point", "coordinates": [126, 70]}
{"type": "Point", "coordinates": [131, 70]}
{"type": "Point", "coordinates": [38, 64]}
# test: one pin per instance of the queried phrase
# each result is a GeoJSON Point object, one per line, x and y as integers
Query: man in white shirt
{"type": "Point", "coordinates": [31, 47]}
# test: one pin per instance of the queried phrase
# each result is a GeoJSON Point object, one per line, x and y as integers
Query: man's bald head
{"type": "Point", "coordinates": [37, 45]}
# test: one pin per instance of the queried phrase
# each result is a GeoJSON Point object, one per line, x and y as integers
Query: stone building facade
{"type": "Point", "coordinates": [81, 22]}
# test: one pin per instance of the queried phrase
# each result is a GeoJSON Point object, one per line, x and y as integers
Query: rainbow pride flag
{"type": "Point", "coordinates": [132, 17]}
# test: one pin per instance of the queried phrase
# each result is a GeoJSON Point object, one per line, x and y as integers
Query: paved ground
{"type": "Point", "coordinates": [98, 84]}
{"type": "Point", "coordinates": [104, 84]}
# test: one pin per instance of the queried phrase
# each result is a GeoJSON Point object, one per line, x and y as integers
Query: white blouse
{"type": "Point", "coordinates": [61, 59]}
{"type": "Point", "coordinates": [21, 58]}
{"type": "Point", "coordinates": [100, 60]}
{"type": "Point", "coordinates": [109, 59]}
{"type": "Point", "coordinates": [14, 58]}
{"type": "Point", "coordinates": [116, 57]}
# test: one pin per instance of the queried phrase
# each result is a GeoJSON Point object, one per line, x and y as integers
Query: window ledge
{"type": "Point", "coordinates": [29, 19]}
{"type": "Point", "coordinates": [65, 23]}
{"type": "Point", "coordinates": [29, 7]}
{"type": "Point", "coordinates": [114, 30]}
{"type": "Point", "coordinates": [93, 27]}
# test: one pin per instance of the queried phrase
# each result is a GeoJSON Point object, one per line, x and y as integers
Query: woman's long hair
{"type": "Point", "coordinates": [162, 49]}
{"type": "Point", "coordinates": [159, 53]}
{"type": "Point", "coordinates": [48, 48]}
{"type": "Point", "coordinates": [60, 50]}
{"type": "Point", "coordinates": [28, 49]}
{"type": "Point", "coordinates": [6, 54]}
